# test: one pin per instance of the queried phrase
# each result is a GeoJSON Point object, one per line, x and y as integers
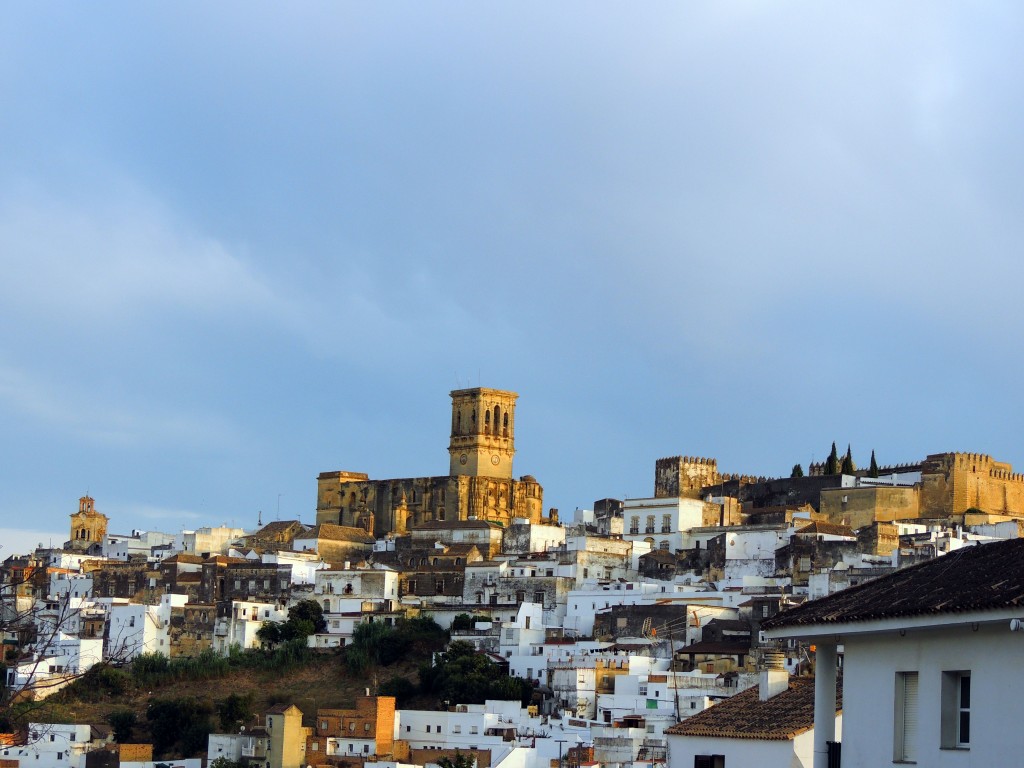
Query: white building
{"type": "Point", "coordinates": [207, 541]}
{"type": "Point", "coordinates": [662, 522]}
{"type": "Point", "coordinates": [239, 627]}
{"type": "Point", "coordinates": [52, 745]}
{"type": "Point", "coordinates": [931, 661]}
{"type": "Point", "coordinates": [136, 629]}
{"type": "Point", "coordinates": [769, 726]}
{"type": "Point", "coordinates": [61, 660]}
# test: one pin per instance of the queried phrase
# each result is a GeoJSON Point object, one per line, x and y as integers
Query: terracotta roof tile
{"type": "Point", "coordinates": [745, 716]}
{"type": "Point", "coordinates": [826, 528]}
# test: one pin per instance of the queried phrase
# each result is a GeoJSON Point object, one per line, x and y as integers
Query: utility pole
{"type": "Point", "coordinates": [672, 667]}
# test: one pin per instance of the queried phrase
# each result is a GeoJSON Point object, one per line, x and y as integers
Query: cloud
{"type": "Point", "coordinates": [86, 414]}
{"type": "Point", "coordinates": [113, 257]}
{"type": "Point", "coordinates": [21, 541]}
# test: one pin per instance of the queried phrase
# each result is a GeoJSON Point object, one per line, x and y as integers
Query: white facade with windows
{"type": "Point", "coordinates": [241, 625]}
{"type": "Point", "coordinates": [931, 661]}
{"type": "Point", "coordinates": [51, 745]}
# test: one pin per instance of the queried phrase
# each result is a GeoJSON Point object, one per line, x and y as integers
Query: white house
{"type": "Point", "coordinates": [240, 626]}
{"type": "Point", "coordinates": [63, 658]}
{"type": "Point", "coordinates": [52, 745]}
{"type": "Point", "coordinates": [769, 726]}
{"type": "Point", "coordinates": [931, 661]}
{"type": "Point", "coordinates": [662, 522]}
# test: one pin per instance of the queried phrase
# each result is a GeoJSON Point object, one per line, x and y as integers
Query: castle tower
{"type": "Point", "coordinates": [88, 526]}
{"type": "Point", "coordinates": [684, 476]}
{"type": "Point", "coordinates": [483, 432]}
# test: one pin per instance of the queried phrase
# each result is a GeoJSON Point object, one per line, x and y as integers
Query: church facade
{"type": "Point", "coordinates": [479, 484]}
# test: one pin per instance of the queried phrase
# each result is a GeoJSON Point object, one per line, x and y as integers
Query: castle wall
{"type": "Point", "coordinates": [952, 483]}
{"type": "Point", "coordinates": [860, 507]}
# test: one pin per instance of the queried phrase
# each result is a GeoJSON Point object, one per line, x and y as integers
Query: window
{"type": "Point", "coordinates": [634, 525]}
{"type": "Point", "coordinates": [709, 761]}
{"type": "Point", "coordinates": [538, 597]}
{"type": "Point", "coordinates": [956, 710]}
{"type": "Point", "coordinates": [456, 728]}
{"type": "Point", "coordinates": [650, 524]}
{"type": "Point", "coordinates": [904, 747]}
{"type": "Point", "coordinates": [666, 523]}
{"type": "Point", "coordinates": [473, 729]}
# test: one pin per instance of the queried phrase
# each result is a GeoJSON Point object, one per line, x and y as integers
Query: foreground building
{"type": "Point", "coordinates": [931, 661]}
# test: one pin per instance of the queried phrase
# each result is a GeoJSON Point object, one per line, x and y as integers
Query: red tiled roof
{"type": "Point", "coordinates": [828, 529]}
{"type": "Point", "coordinates": [744, 716]}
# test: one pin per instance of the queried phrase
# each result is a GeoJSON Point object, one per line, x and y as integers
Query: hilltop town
{"type": "Point", "coordinates": [707, 624]}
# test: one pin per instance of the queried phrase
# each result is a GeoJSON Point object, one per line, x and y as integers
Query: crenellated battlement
{"type": "Point", "coordinates": [678, 476]}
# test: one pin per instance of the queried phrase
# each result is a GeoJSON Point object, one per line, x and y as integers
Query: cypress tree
{"type": "Point", "coordinates": [832, 464]}
{"type": "Point", "coordinates": [848, 467]}
{"type": "Point", "coordinates": [798, 471]}
{"type": "Point", "coordinates": [873, 471]}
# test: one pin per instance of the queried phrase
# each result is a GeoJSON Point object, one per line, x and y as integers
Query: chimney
{"type": "Point", "coordinates": [774, 677]}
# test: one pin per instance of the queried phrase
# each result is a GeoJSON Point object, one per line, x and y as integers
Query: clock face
{"type": "Point", "coordinates": [463, 459]}
{"type": "Point", "coordinates": [495, 459]}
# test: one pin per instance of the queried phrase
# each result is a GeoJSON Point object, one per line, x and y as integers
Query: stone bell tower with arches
{"type": "Point", "coordinates": [483, 433]}
{"type": "Point", "coordinates": [88, 526]}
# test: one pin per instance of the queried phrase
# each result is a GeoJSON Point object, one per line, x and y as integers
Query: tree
{"type": "Point", "coordinates": [798, 471]}
{"type": "Point", "coordinates": [462, 674]}
{"type": "Point", "coordinates": [234, 711]}
{"type": "Point", "coordinates": [461, 622]}
{"type": "Point", "coordinates": [460, 760]}
{"type": "Point", "coordinates": [122, 721]}
{"type": "Point", "coordinates": [179, 725]}
{"type": "Point", "coordinates": [848, 467]}
{"type": "Point", "coordinates": [308, 611]}
{"type": "Point", "coordinates": [305, 618]}
{"type": "Point", "coordinates": [832, 463]}
{"type": "Point", "coordinates": [873, 469]}
{"type": "Point", "coordinates": [45, 645]}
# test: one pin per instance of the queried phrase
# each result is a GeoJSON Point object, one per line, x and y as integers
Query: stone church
{"type": "Point", "coordinates": [479, 484]}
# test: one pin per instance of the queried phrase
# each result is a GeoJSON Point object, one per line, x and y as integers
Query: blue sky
{"type": "Point", "coordinates": [241, 244]}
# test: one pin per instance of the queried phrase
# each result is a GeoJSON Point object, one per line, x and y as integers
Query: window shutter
{"type": "Point", "coordinates": [909, 715]}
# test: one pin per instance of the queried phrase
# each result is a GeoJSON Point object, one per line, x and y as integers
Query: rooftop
{"type": "Point", "coordinates": [977, 578]}
{"type": "Point", "coordinates": [745, 716]}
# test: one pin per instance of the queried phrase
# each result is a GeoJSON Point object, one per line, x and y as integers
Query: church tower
{"type": "Point", "coordinates": [88, 526]}
{"type": "Point", "coordinates": [483, 433]}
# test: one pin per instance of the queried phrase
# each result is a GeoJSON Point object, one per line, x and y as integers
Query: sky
{"type": "Point", "coordinates": [244, 243]}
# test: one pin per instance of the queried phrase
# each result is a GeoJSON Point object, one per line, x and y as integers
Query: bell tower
{"type": "Point", "coordinates": [483, 432]}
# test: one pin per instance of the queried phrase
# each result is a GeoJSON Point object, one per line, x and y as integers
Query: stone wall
{"type": "Point", "coordinates": [684, 476]}
{"type": "Point", "coordinates": [860, 507]}
{"type": "Point", "coordinates": [952, 483]}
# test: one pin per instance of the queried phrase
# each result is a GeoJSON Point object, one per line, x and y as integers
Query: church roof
{"type": "Point", "coordinates": [827, 529]}
{"type": "Point", "coordinates": [334, 532]}
{"type": "Point", "coordinates": [448, 525]}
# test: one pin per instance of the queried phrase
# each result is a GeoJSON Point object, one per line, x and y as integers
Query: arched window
{"type": "Point", "coordinates": [327, 606]}
{"type": "Point", "coordinates": [497, 413]}
{"type": "Point", "coordinates": [487, 423]}
{"type": "Point", "coordinates": [504, 425]}
{"type": "Point", "coordinates": [458, 422]}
